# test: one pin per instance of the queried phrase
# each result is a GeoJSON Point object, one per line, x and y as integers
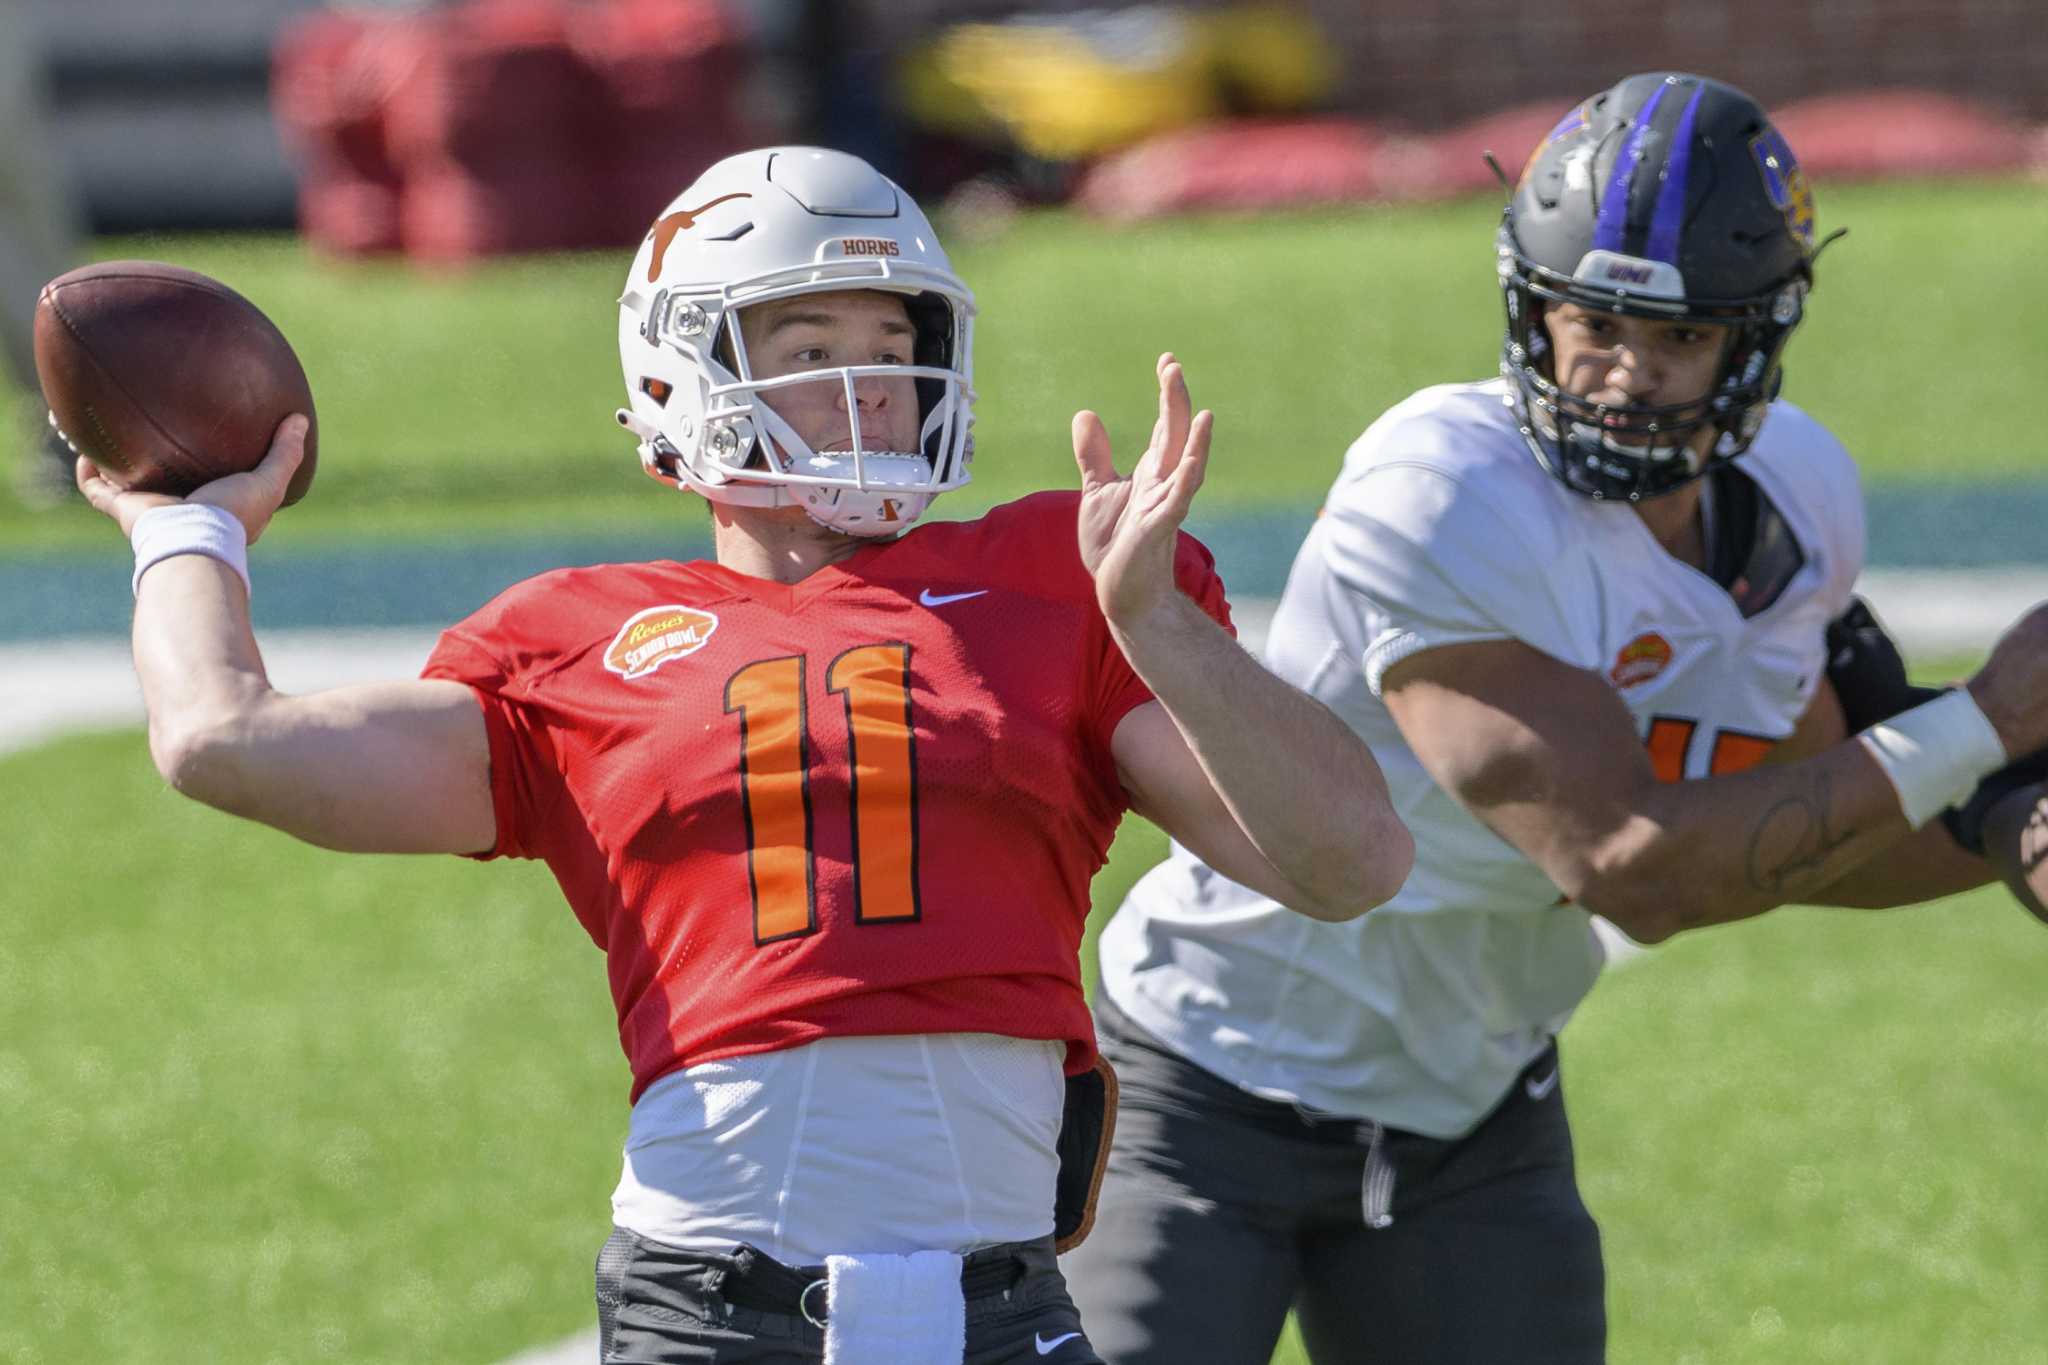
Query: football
{"type": "Point", "coordinates": [165, 378]}
{"type": "Point", "coordinates": [2016, 845]}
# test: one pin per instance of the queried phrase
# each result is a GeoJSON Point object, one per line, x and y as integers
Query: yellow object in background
{"type": "Point", "coordinates": [1069, 87]}
{"type": "Point", "coordinates": [1270, 57]}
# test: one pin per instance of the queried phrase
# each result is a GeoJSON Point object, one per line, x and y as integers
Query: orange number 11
{"type": "Point", "coordinates": [775, 775]}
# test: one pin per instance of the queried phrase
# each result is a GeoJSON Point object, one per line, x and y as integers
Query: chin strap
{"type": "Point", "coordinates": [661, 463]}
{"type": "Point", "coordinates": [657, 462]}
{"type": "Point", "coordinates": [880, 510]}
{"type": "Point", "coordinates": [632, 422]}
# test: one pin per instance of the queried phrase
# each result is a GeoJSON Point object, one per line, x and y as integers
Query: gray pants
{"type": "Point", "coordinates": [660, 1305]}
{"type": "Point", "coordinates": [1221, 1211]}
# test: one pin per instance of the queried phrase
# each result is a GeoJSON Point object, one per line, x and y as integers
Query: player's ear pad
{"type": "Point", "coordinates": [1085, 1132]}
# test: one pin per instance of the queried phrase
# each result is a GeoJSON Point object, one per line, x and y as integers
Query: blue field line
{"type": "Point", "coordinates": [85, 593]}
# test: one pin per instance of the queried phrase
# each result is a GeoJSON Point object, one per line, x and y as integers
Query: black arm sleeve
{"type": "Point", "coordinates": [1966, 822]}
{"type": "Point", "coordinates": [1866, 670]}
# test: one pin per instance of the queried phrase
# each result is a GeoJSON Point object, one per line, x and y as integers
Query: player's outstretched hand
{"type": "Point", "coordinates": [1129, 524]}
{"type": "Point", "coordinates": [2012, 686]}
{"type": "Point", "coordinates": [253, 496]}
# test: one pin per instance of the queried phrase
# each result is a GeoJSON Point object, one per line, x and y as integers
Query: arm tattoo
{"type": "Point", "coordinates": [1791, 842]}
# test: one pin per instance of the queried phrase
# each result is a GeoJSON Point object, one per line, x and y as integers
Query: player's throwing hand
{"type": "Point", "coordinates": [1128, 525]}
{"type": "Point", "coordinates": [253, 496]}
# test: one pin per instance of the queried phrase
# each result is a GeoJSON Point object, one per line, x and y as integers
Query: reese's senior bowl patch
{"type": "Point", "coordinates": [652, 637]}
{"type": "Point", "coordinates": [1640, 660]}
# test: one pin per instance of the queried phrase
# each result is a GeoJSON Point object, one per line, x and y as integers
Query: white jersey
{"type": "Point", "coordinates": [890, 1144]}
{"type": "Point", "coordinates": [1443, 529]}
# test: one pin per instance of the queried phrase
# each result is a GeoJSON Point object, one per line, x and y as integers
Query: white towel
{"type": "Point", "coordinates": [895, 1310]}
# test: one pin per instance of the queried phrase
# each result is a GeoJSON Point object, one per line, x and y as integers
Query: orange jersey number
{"type": "Point", "coordinates": [874, 683]}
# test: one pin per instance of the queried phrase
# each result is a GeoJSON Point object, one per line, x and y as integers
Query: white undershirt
{"type": "Point", "coordinates": [846, 1145]}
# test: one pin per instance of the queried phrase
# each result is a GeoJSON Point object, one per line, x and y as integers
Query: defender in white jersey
{"type": "Point", "coordinates": [1595, 619]}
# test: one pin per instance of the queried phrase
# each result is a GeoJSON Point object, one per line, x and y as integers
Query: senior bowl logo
{"type": "Point", "coordinates": [652, 637]}
{"type": "Point", "coordinates": [1784, 181]}
{"type": "Point", "coordinates": [1640, 660]}
{"type": "Point", "coordinates": [1566, 126]}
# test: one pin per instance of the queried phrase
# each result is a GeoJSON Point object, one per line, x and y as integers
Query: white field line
{"type": "Point", "coordinates": [50, 688]}
{"type": "Point", "coordinates": [579, 1349]}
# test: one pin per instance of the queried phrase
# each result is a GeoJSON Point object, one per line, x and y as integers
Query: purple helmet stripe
{"type": "Point", "coordinates": [1613, 219]}
{"type": "Point", "coordinates": [1670, 215]}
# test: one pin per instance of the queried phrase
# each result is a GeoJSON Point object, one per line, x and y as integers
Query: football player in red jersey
{"type": "Point", "coordinates": [830, 803]}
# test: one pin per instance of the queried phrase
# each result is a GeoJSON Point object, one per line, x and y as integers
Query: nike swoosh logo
{"type": "Point", "coordinates": [1046, 1348]}
{"type": "Point", "coordinates": [935, 599]}
{"type": "Point", "coordinates": [1540, 1090]}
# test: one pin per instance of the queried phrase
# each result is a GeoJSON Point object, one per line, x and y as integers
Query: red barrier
{"type": "Point", "coordinates": [673, 76]}
{"type": "Point", "coordinates": [1237, 166]}
{"type": "Point", "coordinates": [504, 125]}
{"type": "Point", "coordinates": [1900, 133]}
{"type": "Point", "coordinates": [335, 71]}
{"type": "Point", "coordinates": [1251, 166]}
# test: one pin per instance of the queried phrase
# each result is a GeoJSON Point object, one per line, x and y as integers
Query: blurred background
{"type": "Point", "coordinates": [263, 1103]}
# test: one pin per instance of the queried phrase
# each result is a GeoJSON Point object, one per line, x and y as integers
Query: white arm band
{"type": "Point", "coordinates": [189, 528]}
{"type": "Point", "coordinates": [1935, 753]}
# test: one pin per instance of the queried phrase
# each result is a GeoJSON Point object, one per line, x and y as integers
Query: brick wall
{"type": "Point", "coordinates": [1434, 62]}
{"type": "Point", "coordinates": [1430, 63]}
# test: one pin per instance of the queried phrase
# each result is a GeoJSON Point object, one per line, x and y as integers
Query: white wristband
{"type": "Point", "coordinates": [189, 528]}
{"type": "Point", "coordinates": [1936, 753]}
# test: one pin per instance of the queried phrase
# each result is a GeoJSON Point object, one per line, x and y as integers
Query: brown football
{"type": "Point", "coordinates": [164, 378]}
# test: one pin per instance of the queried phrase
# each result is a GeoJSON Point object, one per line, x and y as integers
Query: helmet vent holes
{"type": "Point", "coordinates": [657, 389]}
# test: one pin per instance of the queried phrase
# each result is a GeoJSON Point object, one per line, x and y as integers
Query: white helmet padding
{"type": "Point", "coordinates": [773, 224]}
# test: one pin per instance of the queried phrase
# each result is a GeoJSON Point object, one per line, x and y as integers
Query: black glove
{"type": "Point", "coordinates": [1966, 822]}
{"type": "Point", "coordinates": [1866, 671]}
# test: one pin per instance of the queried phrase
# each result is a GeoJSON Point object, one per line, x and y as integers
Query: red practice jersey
{"type": "Point", "coordinates": [867, 803]}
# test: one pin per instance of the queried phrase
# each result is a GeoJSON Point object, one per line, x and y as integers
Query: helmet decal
{"type": "Point", "coordinates": [1569, 124]}
{"type": "Point", "coordinates": [669, 224]}
{"type": "Point", "coordinates": [870, 246]}
{"type": "Point", "coordinates": [1566, 126]}
{"type": "Point", "coordinates": [1784, 181]}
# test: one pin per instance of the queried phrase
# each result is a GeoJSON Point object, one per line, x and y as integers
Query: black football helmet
{"type": "Point", "coordinates": [1671, 197]}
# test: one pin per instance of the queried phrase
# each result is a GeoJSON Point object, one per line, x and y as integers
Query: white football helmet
{"type": "Point", "coordinates": [773, 224]}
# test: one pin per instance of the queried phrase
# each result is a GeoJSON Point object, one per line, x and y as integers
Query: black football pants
{"type": "Point", "coordinates": [660, 1305]}
{"type": "Point", "coordinates": [1220, 1211]}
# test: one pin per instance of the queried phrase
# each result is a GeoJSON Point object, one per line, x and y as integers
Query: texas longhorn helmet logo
{"type": "Point", "coordinates": [682, 220]}
{"type": "Point", "coordinates": [653, 637]}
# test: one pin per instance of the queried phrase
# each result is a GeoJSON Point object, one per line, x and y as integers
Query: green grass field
{"type": "Point", "coordinates": [263, 1103]}
{"type": "Point", "coordinates": [463, 404]}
